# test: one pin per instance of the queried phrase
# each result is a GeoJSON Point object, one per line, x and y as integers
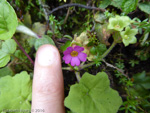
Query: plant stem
{"type": "Point", "coordinates": [87, 65]}
{"type": "Point", "coordinates": [78, 76]}
{"type": "Point", "coordinates": [92, 63]}
{"type": "Point", "coordinates": [103, 56]}
{"type": "Point", "coordinates": [108, 50]}
{"type": "Point", "coordinates": [22, 49]}
{"type": "Point", "coordinates": [66, 68]}
{"type": "Point", "coordinates": [24, 63]}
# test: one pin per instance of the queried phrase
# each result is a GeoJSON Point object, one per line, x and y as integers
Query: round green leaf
{"type": "Point", "coordinates": [9, 46]}
{"type": "Point", "coordinates": [44, 40]}
{"type": "Point", "coordinates": [8, 20]}
{"type": "Point", "coordinates": [15, 92]}
{"type": "Point", "coordinates": [93, 51]}
{"type": "Point", "coordinates": [93, 95]}
{"type": "Point", "coordinates": [4, 58]}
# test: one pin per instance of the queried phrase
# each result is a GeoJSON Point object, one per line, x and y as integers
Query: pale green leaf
{"type": "Point", "coordinates": [15, 92]}
{"type": "Point", "coordinates": [39, 28]}
{"type": "Point", "coordinates": [145, 7]}
{"type": "Point", "coordinates": [9, 46]}
{"type": "Point", "coordinates": [129, 5]}
{"type": "Point", "coordinates": [4, 58]}
{"type": "Point", "coordinates": [8, 20]}
{"type": "Point", "coordinates": [44, 40]}
{"type": "Point", "coordinates": [93, 95]}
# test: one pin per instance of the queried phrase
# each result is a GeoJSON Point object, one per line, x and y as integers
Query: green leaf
{"type": "Point", "coordinates": [142, 79]}
{"type": "Point", "coordinates": [15, 92]}
{"type": "Point", "coordinates": [4, 58]}
{"type": "Point", "coordinates": [117, 3]}
{"type": "Point", "coordinates": [64, 47]}
{"type": "Point", "coordinates": [99, 18]}
{"type": "Point", "coordinates": [5, 71]}
{"type": "Point", "coordinates": [93, 50]}
{"type": "Point", "coordinates": [145, 7]}
{"type": "Point", "coordinates": [68, 36]}
{"type": "Point", "coordinates": [44, 40]}
{"type": "Point", "coordinates": [105, 3]}
{"type": "Point", "coordinates": [93, 95]}
{"type": "Point", "coordinates": [39, 28]}
{"type": "Point", "coordinates": [129, 5]}
{"type": "Point", "coordinates": [8, 20]}
{"type": "Point", "coordinates": [101, 48]}
{"type": "Point", "coordinates": [9, 46]}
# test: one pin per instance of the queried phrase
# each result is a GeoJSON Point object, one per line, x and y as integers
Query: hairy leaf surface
{"type": "Point", "coordinates": [145, 7]}
{"type": "Point", "coordinates": [129, 5]}
{"type": "Point", "coordinates": [8, 20]}
{"type": "Point", "coordinates": [93, 95]}
{"type": "Point", "coordinates": [9, 46]}
{"type": "Point", "coordinates": [44, 40]}
{"type": "Point", "coordinates": [15, 92]}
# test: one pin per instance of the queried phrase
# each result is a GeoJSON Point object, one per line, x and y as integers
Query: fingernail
{"type": "Point", "coordinates": [46, 55]}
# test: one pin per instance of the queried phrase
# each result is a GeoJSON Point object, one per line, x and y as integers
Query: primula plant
{"type": "Point", "coordinates": [104, 47]}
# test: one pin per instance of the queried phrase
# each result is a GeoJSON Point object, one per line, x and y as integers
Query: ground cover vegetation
{"type": "Point", "coordinates": [104, 46]}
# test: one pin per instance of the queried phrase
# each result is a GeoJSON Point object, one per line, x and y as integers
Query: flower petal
{"type": "Point", "coordinates": [68, 51]}
{"type": "Point", "coordinates": [75, 61]}
{"type": "Point", "coordinates": [82, 56]}
{"type": "Point", "coordinates": [78, 49]}
{"type": "Point", "coordinates": [133, 40]}
{"type": "Point", "coordinates": [125, 42]}
{"type": "Point", "coordinates": [67, 58]}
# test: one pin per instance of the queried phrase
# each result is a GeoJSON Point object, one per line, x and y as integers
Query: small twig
{"type": "Point", "coordinates": [22, 49]}
{"type": "Point", "coordinates": [67, 15]}
{"type": "Point", "coordinates": [70, 5]}
{"type": "Point", "coordinates": [76, 5]}
{"type": "Point", "coordinates": [120, 70]}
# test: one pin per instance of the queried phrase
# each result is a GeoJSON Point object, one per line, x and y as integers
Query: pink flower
{"type": "Point", "coordinates": [74, 55]}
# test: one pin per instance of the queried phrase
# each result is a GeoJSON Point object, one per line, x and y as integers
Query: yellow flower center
{"type": "Point", "coordinates": [126, 37]}
{"type": "Point", "coordinates": [117, 26]}
{"type": "Point", "coordinates": [74, 53]}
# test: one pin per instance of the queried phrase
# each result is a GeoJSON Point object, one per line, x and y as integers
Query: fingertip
{"type": "Point", "coordinates": [47, 55]}
{"type": "Point", "coordinates": [48, 87]}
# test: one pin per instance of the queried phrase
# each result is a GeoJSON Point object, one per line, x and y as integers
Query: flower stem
{"type": "Point", "coordinates": [66, 68]}
{"type": "Point", "coordinates": [22, 49]}
{"type": "Point", "coordinates": [78, 76]}
{"type": "Point", "coordinates": [87, 65]}
{"type": "Point", "coordinates": [108, 50]}
{"type": "Point", "coordinates": [103, 56]}
{"type": "Point", "coordinates": [26, 65]}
